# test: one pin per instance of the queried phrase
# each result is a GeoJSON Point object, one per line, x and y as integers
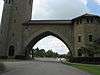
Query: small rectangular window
{"type": "Point", "coordinates": [14, 20]}
{"type": "Point", "coordinates": [9, 1]}
{"type": "Point", "coordinates": [79, 38]}
{"type": "Point", "coordinates": [88, 20]}
{"type": "Point", "coordinates": [90, 38]}
{"type": "Point", "coordinates": [5, 1]}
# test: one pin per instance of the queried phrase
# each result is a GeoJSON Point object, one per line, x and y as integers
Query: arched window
{"type": "Point", "coordinates": [11, 50]}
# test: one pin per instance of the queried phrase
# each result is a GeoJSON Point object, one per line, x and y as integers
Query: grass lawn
{"type": "Point", "coordinates": [92, 69]}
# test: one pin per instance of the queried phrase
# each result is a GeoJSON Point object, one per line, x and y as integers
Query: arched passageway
{"type": "Point", "coordinates": [51, 43]}
{"type": "Point", "coordinates": [41, 36]}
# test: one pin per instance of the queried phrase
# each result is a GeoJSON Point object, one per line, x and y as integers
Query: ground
{"type": "Point", "coordinates": [42, 67]}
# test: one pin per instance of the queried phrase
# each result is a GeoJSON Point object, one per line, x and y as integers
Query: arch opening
{"type": "Point", "coordinates": [51, 43]}
{"type": "Point", "coordinates": [44, 35]}
{"type": "Point", "coordinates": [11, 50]}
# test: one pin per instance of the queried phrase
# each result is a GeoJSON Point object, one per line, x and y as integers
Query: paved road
{"type": "Point", "coordinates": [40, 68]}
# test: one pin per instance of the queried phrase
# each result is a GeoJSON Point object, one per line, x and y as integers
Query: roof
{"type": "Point", "coordinates": [52, 22]}
{"type": "Point", "coordinates": [35, 22]}
{"type": "Point", "coordinates": [86, 15]}
{"type": "Point", "coordinates": [89, 14]}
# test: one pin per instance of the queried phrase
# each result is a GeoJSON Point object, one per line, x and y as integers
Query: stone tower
{"type": "Point", "coordinates": [86, 34]}
{"type": "Point", "coordinates": [15, 13]}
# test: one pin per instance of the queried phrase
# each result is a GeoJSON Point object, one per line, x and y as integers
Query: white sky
{"type": "Point", "coordinates": [51, 42]}
{"type": "Point", "coordinates": [59, 9]}
{"type": "Point", "coordinates": [1, 8]}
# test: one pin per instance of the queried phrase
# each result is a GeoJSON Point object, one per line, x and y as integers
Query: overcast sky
{"type": "Point", "coordinates": [59, 9]}
{"type": "Point", "coordinates": [64, 9]}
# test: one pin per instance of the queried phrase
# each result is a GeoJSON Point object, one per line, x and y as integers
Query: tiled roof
{"type": "Point", "coordinates": [86, 15]}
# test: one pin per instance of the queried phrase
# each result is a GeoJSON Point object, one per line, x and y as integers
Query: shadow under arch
{"type": "Point", "coordinates": [42, 35]}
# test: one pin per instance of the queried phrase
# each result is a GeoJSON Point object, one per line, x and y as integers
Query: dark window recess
{"type": "Point", "coordinates": [80, 21]}
{"type": "Point", "coordinates": [77, 22]}
{"type": "Point", "coordinates": [9, 1]}
{"type": "Point", "coordinates": [12, 1]}
{"type": "Point", "coordinates": [5, 1]}
{"type": "Point", "coordinates": [88, 20]}
{"type": "Point", "coordinates": [79, 38]}
{"type": "Point", "coordinates": [91, 20]}
{"type": "Point", "coordinates": [79, 53]}
{"type": "Point", "coordinates": [14, 21]}
{"type": "Point", "coordinates": [11, 50]}
{"type": "Point", "coordinates": [30, 2]}
{"type": "Point", "coordinates": [13, 34]}
{"type": "Point", "coordinates": [90, 38]}
{"type": "Point", "coordinates": [26, 28]}
{"type": "Point", "coordinates": [1, 31]}
{"type": "Point", "coordinates": [16, 8]}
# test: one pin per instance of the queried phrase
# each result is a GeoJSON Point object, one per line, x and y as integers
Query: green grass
{"type": "Point", "coordinates": [92, 69]}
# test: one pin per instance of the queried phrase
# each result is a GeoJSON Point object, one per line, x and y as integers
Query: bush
{"type": "Point", "coordinates": [89, 60]}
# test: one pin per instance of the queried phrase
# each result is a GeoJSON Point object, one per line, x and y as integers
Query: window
{"type": "Point", "coordinates": [13, 34]}
{"type": "Point", "coordinates": [88, 20]}
{"type": "Point", "coordinates": [9, 1]}
{"type": "Point", "coordinates": [16, 8]}
{"type": "Point", "coordinates": [14, 20]}
{"type": "Point", "coordinates": [79, 38]}
{"type": "Point", "coordinates": [11, 50]}
{"type": "Point", "coordinates": [80, 21]}
{"type": "Point", "coordinates": [90, 38]}
{"type": "Point", "coordinates": [1, 31]}
{"type": "Point", "coordinates": [79, 52]}
{"type": "Point", "coordinates": [91, 20]}
{"type": "Point", "coordinates": [12, 1]}
{"type": "Point", "coordinates": [77, 22]}
{"type": "Point", "coordinates": [30, 2]}
{"type": "Point", "coordinates": [5, 1]}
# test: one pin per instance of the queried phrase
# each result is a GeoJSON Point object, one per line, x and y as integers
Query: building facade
{"type": "Point", "coordinates": [86, 31]}
{"type": "Point", "coordinates": [18, 33]}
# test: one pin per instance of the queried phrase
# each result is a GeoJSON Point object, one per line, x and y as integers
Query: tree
{"type": "Point", "coordinates": [49, 53]}
{"type": "Point", "coordinates": [94, 48]}
{"type": "Point", "coordinates": [41, 53]}
{"type": "Point", "coordinates": [38, 53]}
{"type": "Point", "coordinates": [83, 51]}
{"type": "Point", "coordinates": [90, 50]}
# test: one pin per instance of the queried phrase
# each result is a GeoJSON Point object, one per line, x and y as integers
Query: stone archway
{"type": "Point", "coordinates": [11, 51]}
{"type": "Point", "coordinates": [41, 36]}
